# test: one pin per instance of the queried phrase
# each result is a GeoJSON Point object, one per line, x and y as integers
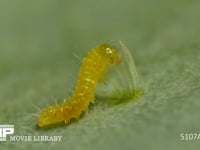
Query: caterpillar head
{"type": "Point", "coordinates": [109, 53]}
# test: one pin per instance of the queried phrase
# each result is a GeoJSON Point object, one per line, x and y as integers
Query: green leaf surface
{"type": "Point", "coordinates": [38, 41]}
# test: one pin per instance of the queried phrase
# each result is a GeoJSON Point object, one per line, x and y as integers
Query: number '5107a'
{"type": "Point", "coordinates": [190, 136]}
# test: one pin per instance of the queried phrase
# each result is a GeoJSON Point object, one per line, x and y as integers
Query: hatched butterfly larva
{"type": "Point", "coordinates": [91, 71]}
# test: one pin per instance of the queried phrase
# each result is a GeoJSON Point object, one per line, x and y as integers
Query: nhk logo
{"type": "Point", "coordinates": [5, 130]}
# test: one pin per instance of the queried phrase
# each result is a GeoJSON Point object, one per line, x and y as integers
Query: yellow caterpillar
{"type": "Point", "coordinates": [91, 71]}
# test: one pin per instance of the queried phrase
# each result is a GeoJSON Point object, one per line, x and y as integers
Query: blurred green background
{"type": "Point", "coordinates": [38, 40]}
